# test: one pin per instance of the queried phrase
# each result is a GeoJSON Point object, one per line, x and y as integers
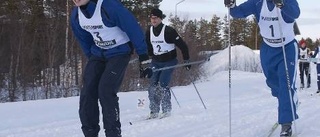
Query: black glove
{"type": "Point", "coordinates": [230, 3]}
{"type": "Point", "coordinates": [278, 3]}
{"type": "Point", "coordinates": [145, 70]}
{"type": "Point", "coordinates": [188, 67]}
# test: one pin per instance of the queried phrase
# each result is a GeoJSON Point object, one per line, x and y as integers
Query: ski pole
{"type": "Point", "coordinates": [181, 65]}
{"type": "Point", "coordinates": [229, 46]}
{"type": "Point", "coordinates": [199, 95]}
{"type": "Point", "coordinates": [287, 71]}
{"type": "Point", "coordinates": [175, 97]}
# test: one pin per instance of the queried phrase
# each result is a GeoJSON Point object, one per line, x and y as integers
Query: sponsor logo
{"type": "Point", "coordinates": [92, 27]}
{"type": "Point", "coordinates": [105, 43]}
{"type": "Point", "coordinates": [275, 41]}
{"type": "Point", "coordinates": [159, 41]}
{"type": "Point", "coordinates": [269, 18]}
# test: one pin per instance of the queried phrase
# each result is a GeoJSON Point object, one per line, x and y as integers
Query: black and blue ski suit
{"type": "Point", "coordinates": [107, 33]}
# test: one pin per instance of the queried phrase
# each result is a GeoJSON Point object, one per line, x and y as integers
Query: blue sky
{"type": "Point", "coordinates": [309, 20]}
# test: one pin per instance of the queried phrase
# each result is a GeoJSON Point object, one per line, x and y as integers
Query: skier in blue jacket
{"type": "Point", "coordinates": [107, 33]}
{"type": "Point", "coordinates": [275, 19]}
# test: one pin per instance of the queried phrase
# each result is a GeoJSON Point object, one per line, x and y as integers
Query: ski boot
{"type": "Point", "coordinates": [318, 91]}
{"type": "Point", "coordinates": [286, 130]}
{"type": "Point", "coordinates": [301, 86]}
{"type": "Point", "coordinates": [165, 114]}
{"type": "Point", "coordinates": [153, 116]}
{"type": "Point", "coordinates": [308, 86]}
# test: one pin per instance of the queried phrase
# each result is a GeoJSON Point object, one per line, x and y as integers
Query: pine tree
{"type": "Point", "coordinates": [141, 9]}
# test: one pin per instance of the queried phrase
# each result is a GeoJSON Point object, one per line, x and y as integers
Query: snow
{"type": "Point", "coordinates": [253, 109]}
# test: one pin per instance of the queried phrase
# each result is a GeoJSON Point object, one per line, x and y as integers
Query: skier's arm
{"type": "Point", "coordinates": [172, 36]}
{"type": "Point", "coordinates": [315, 52]}
{"type": "Point", "coordinates": [124, 19]}
{"type": "Point", "coordinates": [309, 52]}
{"type": "Point", "coordinates": [290, 11]}
{"type": "Point", "coordinates": [243, 10]}
{"type": "Point", "coordinates": [85, 38]}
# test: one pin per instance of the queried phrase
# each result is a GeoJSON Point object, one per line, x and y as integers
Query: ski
{"type": "Point", "coordinates": [148, 119]}
{"type": "Point", "coordinates": [274, 127]}
{"type": "Point", "coordinates": [141, 120]}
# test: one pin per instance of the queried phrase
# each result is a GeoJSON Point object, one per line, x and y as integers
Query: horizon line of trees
{"type": "Point", "coordinates": [41, 59]}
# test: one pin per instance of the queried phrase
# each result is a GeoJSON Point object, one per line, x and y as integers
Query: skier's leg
{"type": "Point", "coordinates": [318, 76]}
{"type": "Point", "coordinates": [89, 109]}
{"type": "Point", "coordinates": [164, 81]}
{"type": "Point", "coordinates": [269, 68]}
{"type": "Point", "coordinates": [154, 94]}
{"type": "Point", "coordinates": [301, 71]}
{"type": "Point", "coordinates": [285, 110]}
{"type": "Point", "coordinates": [308, 74]}
{"type": "Point", "coordinates": [109, 85]}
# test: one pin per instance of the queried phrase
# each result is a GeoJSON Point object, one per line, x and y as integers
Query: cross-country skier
{"type": "Point", "coordinates": [107, 32]}
{"type": "Point", "coordinates": [317, 56]}
{"type": "Point", "coordinates": [277, 31]}
{"type": "Point", "coordinates": [304, 64]}
{"type": "Point", "coordinates": [162, 41]}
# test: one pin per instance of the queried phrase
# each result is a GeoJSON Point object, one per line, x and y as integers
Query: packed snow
{"type": "Point", "coordinates": [253, 109]}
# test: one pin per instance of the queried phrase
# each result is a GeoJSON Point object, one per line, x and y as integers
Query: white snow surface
{"type": "Point", "coordinates": [253, 109]}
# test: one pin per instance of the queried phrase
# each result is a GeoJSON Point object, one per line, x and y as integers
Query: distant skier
{"type": "Point", "coordinates": [277, 31]}
{"type": "Point", "coordinates": [162, 41]}
{"type": "Point", "coordinates": [304, 63]}
{"type": "Point", "coordinates": [317, 56]}
{"type": "Point", "coordinates": [107, 33]}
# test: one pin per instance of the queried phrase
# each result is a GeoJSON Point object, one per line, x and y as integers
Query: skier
{"type": "Point", "coordinates": [162, 41]}
{"type": "Point", "coordinates": [107, 32]}
{"type": "Point", "coordinates": [304, 64]}
{"type": "Point", "coordinates": [316, 55]}
{"type": "Point", "coordinates": [277, 31]}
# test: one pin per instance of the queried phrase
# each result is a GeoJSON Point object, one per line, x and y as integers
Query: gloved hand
{"type": "Point", "coordinates": [278, 3]}
{"type": "Point", "coordinates": [187, 67]}
{"type": "Point", "coordinates": [230, 3]}
{"type": "Point", "coordinates": [144, 67]}
{"type": "Point", "coordinates": [145, 72]}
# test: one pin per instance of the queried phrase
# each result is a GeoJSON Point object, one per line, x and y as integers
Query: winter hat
{"type": "Point", "coordinates": [157, 12]}
{"type": "Point", "coordinates": [302, 42]}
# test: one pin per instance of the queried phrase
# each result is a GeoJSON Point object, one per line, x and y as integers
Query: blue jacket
{"type": "Point", "coordinates": [290, 11]}
{"type": "Point", "coordinates": [115, 15]}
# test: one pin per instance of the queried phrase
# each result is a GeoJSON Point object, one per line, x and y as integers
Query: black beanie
{"type": "Point", "coordinates": [156, 12]}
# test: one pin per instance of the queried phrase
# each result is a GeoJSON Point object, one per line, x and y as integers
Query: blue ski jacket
{"type": "Point", "coordinates": [114, 14]}
{"type": "Point", "coordinates": [290, 11]}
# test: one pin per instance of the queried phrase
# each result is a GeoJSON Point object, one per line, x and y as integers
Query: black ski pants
{"type": "Point", "coordinates": [101, 81]}
{"type": "Point", "coordinates": [304, 68]}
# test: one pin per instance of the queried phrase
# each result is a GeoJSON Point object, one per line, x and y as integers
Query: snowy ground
{"type": "Point", "coordinates": [254, 111]}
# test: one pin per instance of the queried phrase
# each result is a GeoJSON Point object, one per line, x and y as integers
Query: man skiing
{"type": "Point", "coordinates": [304, 64]}
{"type": "Point", "coordinates": [162, 41]}
{"type": "Point", "coordinates": [107, 33]}
{"type": "Point", "coordinates": [316, 56]}
{"type": "Point", "coordinates": [277, 31]}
